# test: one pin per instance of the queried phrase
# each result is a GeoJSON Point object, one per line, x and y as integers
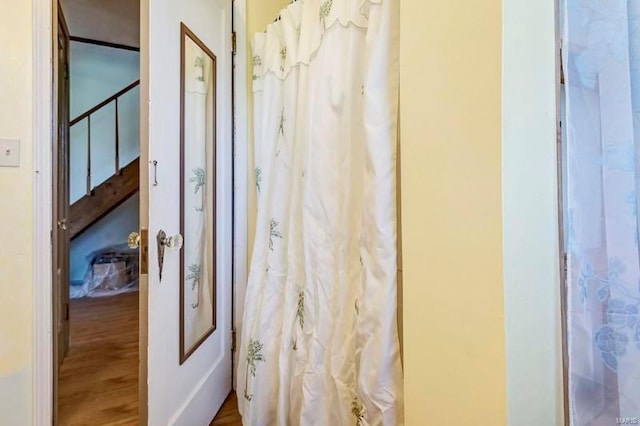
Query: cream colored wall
{"type": "Point", "coordinates": [16, 259]}
{"type": "Point", "coordinates": [454, 345]}
{"type": "Point", "coordinates": [530, 225]}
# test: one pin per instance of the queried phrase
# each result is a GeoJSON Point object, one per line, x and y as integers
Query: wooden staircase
{"type": "Point", "coordinates": [104, 198]}
{"type": "Point", "coordinates": [101, 200]}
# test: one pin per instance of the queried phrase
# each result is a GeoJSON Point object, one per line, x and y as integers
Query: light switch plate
{"type": "Point", "coordinates": [9, 152]}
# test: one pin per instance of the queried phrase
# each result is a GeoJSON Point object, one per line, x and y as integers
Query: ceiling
{"type": "Point", "coordinates": [113, 21]}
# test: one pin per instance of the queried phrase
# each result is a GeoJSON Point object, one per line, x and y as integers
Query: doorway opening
{"type": "Point", "coordinates": [192, 392]}
{"type": "Point", "coordinates": [96, 206]}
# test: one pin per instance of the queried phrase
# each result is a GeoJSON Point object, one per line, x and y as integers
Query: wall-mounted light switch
{"type": "Point", "coordinates": [9, 152]}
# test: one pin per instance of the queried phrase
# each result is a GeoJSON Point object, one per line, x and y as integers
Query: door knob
{"type": "Point", "coordinates": [62, 224]}
{"type": "Point", "coordinates": [133, 241]}
{"type": "Point", "coordinates": [173, 243]}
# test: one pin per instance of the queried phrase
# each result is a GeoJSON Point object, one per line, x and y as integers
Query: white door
{"type": "Point", "coordinates": [183, 391]}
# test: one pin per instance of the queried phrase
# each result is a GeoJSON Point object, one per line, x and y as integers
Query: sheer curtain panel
{"type": "Point", "coordinates": [601, 41]}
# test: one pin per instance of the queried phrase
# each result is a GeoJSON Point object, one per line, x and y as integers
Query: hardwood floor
{"type": "Point", "coordinates": [99, 376]}
{"type": "Point", "coordinates": [228, 414]}
{"type": "Point", "coordinates": [98, 382]}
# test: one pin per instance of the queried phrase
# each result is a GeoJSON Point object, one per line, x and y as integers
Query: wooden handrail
{"type": "Point", "coordinates": [104, 43]}
{"type": "Point", "coordinates": [87, 115]}
{"type": "Point", "coordinates": [104, 103]}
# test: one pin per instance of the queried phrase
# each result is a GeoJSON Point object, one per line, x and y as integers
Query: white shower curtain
{"type": "Point", "coordinates": [602, 63]}
{"type": "Point", "coordinates": [319, 340]}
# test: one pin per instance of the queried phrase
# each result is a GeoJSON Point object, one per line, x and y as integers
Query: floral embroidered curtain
{"type": "Point", "coordinates": [602, 99]}
{"type": "Point", "coordinates": [319, 342]}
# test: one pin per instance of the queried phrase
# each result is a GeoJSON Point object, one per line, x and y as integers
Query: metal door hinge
{"type": "Point", "coordinates": [559, 133]}
{"type": "Point", "coordinates": [562, 78]}
{"type": "Point", "coordinates": [233, 340]}
{"type": "Point", "coordinates": [234, 43]}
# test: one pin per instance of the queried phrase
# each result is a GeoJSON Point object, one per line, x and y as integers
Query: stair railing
{"type": "Point", "coordinates": [87, 116]}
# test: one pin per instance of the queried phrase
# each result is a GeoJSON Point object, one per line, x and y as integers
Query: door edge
{"type": "Point", "coordinates": [240, 184]}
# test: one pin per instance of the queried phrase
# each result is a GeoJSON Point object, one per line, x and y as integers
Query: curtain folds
{"type": "Point", "coordinates": [602, 100]}
{"type": "Point", "coordinates": [320, 342]}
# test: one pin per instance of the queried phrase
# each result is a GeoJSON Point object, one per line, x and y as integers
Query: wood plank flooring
{"type": "Point", "coordinates": [99, 376]}
{"type": "Point", "coordinates": [228, 414]}
{"type": "Point", "coordinates": [98, 382]}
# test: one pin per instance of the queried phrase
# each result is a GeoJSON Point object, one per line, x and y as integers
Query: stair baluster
{"type": "Point", "coordinates": [116, 115]}
{"type": "Point", "coordinates": [87, 115]}
{"type": "Point", "coordinates": [89, 155]}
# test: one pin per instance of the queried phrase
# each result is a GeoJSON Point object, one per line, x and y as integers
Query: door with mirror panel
{"type": "Point", "coordinates": [186, 207]}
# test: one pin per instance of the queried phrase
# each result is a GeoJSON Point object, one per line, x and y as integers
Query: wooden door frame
{"type": "Point", "coordinates": [60, 237]}
{"type": "Point", "coordinates": [44, 131]}
{"type": "Point", "coordinates": [240, 174]}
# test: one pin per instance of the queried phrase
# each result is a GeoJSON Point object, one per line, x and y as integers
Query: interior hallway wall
{"type": "Point", "coordinates": [530, 211]}
{"type": "Point", "coordinates": [16, 214]}
{"type": "Point", "coordinates": [450, 90]}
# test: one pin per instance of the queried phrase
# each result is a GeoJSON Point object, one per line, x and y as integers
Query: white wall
{"type": "Point", "coordinates": [530, 215]}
